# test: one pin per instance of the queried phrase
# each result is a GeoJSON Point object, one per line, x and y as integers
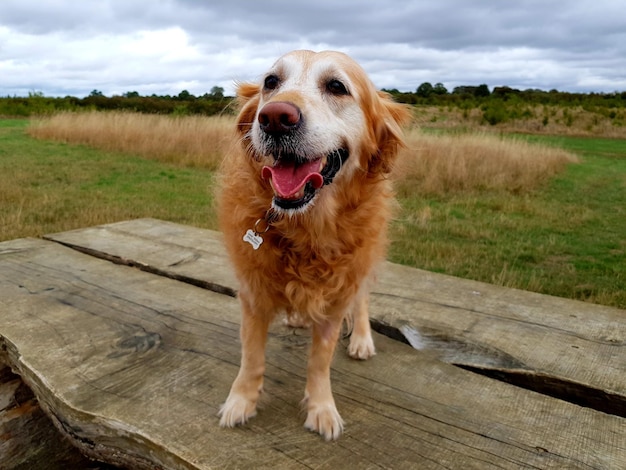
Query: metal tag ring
{"type": "Point", "coordinates": [256, 224]}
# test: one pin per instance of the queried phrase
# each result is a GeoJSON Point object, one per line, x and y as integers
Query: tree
{"type": "Point", "coordinates": [185, 96]}
{"type": "Point", "coordinates": [482, 91]}
{"type": "Point", "coordinates": [96, 93]}
{"type": "Point", "coordinates": [464, 90]}
{"type": "Point", "coordinates": [217, 92]}
{"type": "Point", "coordinates": [425, 90]}
{"type": "Point", "coordinates": [439, 89]}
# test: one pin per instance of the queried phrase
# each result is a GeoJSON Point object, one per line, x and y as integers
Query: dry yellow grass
{"type": "Point", "coordinates": [431, 163]}
{"type": "Point", "coordinates": [446, 163]}
{"type": "Point", "coordinates": [192, 141]}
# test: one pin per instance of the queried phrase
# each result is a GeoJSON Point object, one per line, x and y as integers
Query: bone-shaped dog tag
{"type": "Point", "coordinates": [253, 238]}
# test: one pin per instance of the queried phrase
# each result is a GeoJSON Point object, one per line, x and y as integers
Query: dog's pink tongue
{"type": "Point", "coordinates": [288, 179]}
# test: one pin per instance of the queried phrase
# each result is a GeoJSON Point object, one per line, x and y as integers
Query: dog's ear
{"type": "Point", "coordinates": [390, 117]}
{"type": "Point", "coordinates": [248, 100]}
{"type": "Point", "coordinates": [245, 91]}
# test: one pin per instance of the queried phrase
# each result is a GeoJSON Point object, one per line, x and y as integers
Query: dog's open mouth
{"type": "Point", "coordinates": [295, 183]}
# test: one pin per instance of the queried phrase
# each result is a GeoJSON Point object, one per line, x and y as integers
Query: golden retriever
{"type": "Point", "coordinates": [304, 205]}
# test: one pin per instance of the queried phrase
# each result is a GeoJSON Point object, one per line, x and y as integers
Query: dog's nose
{"type": "Point", "coordinates": [280, 117]}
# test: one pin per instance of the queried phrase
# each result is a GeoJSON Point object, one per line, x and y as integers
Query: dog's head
{"type": "Point", "coordinates": [315, 119]}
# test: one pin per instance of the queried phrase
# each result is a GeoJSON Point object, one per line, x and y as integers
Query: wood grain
{"type": "Point", "coordinates": [132, 367]}
{"type": "Point", "coordinates": [572, 350]}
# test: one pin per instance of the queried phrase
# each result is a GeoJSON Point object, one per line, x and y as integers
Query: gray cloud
{"type": "Point", "coordinates": [70, 48]}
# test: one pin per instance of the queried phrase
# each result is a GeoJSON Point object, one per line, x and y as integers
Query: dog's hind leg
{"type": "Point", "coordinates": [244, 393]}
{"type": "Point", "coordinates": [361, 343]}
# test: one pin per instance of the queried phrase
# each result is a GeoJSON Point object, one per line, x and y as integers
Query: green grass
{"type": "Point", "coordinates": [47, 187]}
{"type": "Point", "coordinates": [567, 238]}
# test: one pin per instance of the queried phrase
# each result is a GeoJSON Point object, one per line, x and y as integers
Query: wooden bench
{"type": "Point", "coordinates": [127, 335]}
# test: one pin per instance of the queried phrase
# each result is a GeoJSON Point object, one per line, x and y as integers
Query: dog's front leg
{"type": "Point", "coordinates": [244, 393]}
{"type": "Point", "coordinates": [322, 414]}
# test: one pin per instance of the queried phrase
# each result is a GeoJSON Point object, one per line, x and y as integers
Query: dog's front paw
{"type": "Point", "coordinates": [325, 420]}
{"type": "Point", "coordinates": [236, 410]}
{"type": "Point", "coordinates": [361, 347]}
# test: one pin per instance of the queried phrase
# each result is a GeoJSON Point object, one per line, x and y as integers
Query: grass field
{"type": "Point", "coordinates": [431, 164]}
{"type": "Point", "coordinates": [565, 234]}
{"type": "Point", "coordinates": [519, 117]}
{"type": "Point", "coordinates": [48, 187]}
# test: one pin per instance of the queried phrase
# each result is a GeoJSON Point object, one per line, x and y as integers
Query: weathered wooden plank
{"type": "Point", "coordinates": [133, 367]}
{"type": "Point", "coordinates": [573, 350]}
{"type": "Point", "coordinates": [565, 348]}
{"type": "Point", "coordinates": [186, 253]}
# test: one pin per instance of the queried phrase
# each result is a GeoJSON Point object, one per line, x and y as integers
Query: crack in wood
{"type": "Point", "coordinates": [571, 392]}
{"type": "Point", "coordinates": [500, 366]}
{"type": "Point", "coordinates": [218, 288]}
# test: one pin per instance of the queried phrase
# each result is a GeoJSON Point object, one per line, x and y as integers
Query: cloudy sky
{"type": "Point", "coordinates": [64, 47]}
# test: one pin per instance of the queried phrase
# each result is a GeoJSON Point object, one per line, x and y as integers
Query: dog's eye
{"type": "Point", "coordinates": [336, 87]}
{"type": "Point", "coordinates": [271, 82]}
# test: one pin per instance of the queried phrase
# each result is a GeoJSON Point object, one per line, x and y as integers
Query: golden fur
{"type": "Point", "coordinates": [316, 262]}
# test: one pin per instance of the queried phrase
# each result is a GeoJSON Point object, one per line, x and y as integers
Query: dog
{"type": "Point", "coordinates": [305, 199]}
